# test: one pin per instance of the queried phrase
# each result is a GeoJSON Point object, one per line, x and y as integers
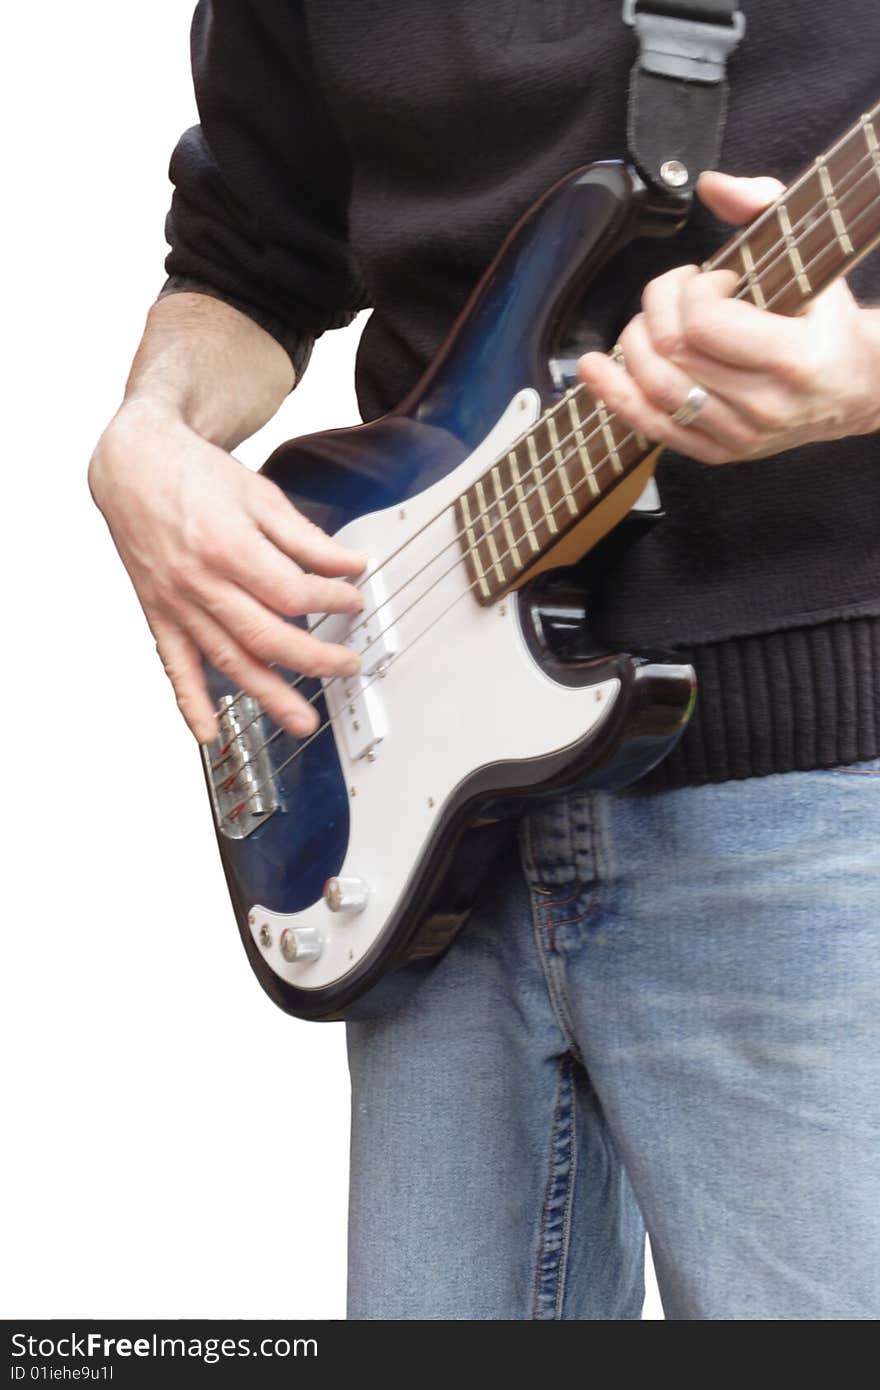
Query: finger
{"type": "Point", "coordinates": [736, 200]}
{"type": "Point", "coordinates": [761, 401]}
{"type": "Point", "coordinates": [275, 695]}
{"type": "Point", "coordinates": [300, 538]}
{"type": "Point", "coordinates": [257, 565]}
{"type": "Point", "coordinates": [183, 667]}
{"type": "Point", "coordinates": [666, 386]}
{"type": "Point", "coordinates": [661, 305]}
{"type": "Point", "coordinates": [736, 332]}
{"type": "Point", "coordinates": [622, 394]}
{"type": "Point", "coordinates": [268, 638]}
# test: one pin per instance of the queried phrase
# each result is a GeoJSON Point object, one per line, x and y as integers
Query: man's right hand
{"type": "Point", "coordinates": [219, 557]}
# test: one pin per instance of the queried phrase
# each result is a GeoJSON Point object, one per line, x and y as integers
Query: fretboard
{"type": "Point", "coordinates": [578, 453]}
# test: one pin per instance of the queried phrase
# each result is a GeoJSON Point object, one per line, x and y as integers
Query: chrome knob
{"type": "Point", "coordinates": [346, 894]}
{"type": "Point", "coordinates": [300, 943]}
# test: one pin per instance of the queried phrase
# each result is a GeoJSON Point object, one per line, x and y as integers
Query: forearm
{"type": "Point", "coordinates": [223, 374]}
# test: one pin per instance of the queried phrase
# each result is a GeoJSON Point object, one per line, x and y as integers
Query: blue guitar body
{"type": "Point", "coordinates": [356, 948]}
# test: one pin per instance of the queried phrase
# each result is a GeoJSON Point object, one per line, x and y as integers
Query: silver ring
{"type": "Point", "coordinates": [693, 403]}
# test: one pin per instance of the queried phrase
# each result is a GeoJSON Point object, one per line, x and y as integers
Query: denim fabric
{"type": "Point", "coordinates": [663, 1014]}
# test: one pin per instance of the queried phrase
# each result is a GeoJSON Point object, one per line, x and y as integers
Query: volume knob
{"type": "Point", "coordinates": [346, 894]}
{"type": "Point", "coordinates": [300, 943]}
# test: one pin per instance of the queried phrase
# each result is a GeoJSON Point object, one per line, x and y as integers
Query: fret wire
{"type": "Point", "coordinates": [792, 249]}
{"type": "Point", "coordinates": [606, 420]}
{"type": "Point", "coordinates": [581, 446]}
{"type": "Point", "coordinates": [474, 582]}
{"type": "Point", "coordinates": [810, 230]}
{"type": "Point", "coordinates": [866, 122]}
{"type": "Point", "coordinates": [473, 546]}
{"type": "Point", "coordinates": [328, 723]}
{"type": "Point", "coordinates": [751, 275]}
{"type": "Point", "coordinates": [872, 143]}
{"type": "Point", "coordinates": [631, 436]}
{"type": "Point", "coordinates": [501, 495]}
{"type": "Point", "coordinates": [530, 529]}
{"type": "Point", "coordinates": [737, 243]}
{"type": "Point", "coordinates": [539, 474]}
{"type": "Point", "coordinates": [568, 398]}
{"type": "Point", "coordinates": [868, 245]}
{"type": "Point", "coordinates": [488, 531]}
{"type": "Point", "coordinates": [610, 444]}
{"type": "Point", "coordinates": [829, 256]}
{"type": "Point", "coordinates": [806, 224]}
{"type": "Point", "coordinates": [760, 225]}
{"type": "Point", "coordinates": [562, 466]}
{"type": "Point", "coordinates": [830, 197]}
{"type": "Point", "coordinates": [811, 222]}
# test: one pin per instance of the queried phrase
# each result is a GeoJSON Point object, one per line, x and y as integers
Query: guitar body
{"type": "Point", "coordinates": [463, 712]}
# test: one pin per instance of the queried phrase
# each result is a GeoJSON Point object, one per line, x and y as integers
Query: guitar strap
{"type": "Point", "coordinates": [678, 87]}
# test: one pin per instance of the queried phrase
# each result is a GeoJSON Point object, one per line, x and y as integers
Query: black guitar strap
{"type": "Point", "coordinates": [678, 88]}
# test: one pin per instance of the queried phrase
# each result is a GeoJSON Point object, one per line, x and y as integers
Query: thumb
{"type": "Point", "coordinates": [736, 200]}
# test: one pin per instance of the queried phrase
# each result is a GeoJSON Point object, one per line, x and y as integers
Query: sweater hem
{"type": "Point", "coordinates": [792, 700]}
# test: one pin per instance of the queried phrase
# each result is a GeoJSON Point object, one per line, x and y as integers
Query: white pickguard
{"type": "Point", "coordinates": [461, 691]}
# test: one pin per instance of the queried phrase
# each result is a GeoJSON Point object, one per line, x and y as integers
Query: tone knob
{"type": "Point", "coordinates": [346, 894]}
{"type": "Point", "coordinates": [300, 943]}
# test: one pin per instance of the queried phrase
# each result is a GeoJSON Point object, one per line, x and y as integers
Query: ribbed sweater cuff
{"type": "Point", "coordinates": [784, 701]}
{"type": "Point", "coordinates": [298, 346]}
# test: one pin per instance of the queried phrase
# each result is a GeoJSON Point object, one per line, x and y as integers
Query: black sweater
{"type": "Point", "coordinates": [354, 155]}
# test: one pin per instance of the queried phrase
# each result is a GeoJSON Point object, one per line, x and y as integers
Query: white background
{"type": "Point", "coordinates": [174, 1144]}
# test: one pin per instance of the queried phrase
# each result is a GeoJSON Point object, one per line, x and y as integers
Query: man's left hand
{"type": "Point", "coordinates": [773, 382]}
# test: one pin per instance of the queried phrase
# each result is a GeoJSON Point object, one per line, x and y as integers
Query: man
{"type": "Point", "coordinates": [663, 1012]}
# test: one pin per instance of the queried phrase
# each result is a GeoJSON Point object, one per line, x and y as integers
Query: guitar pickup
{"type": "Point", "coordinates": [373, 634]}
{"type": "Point", "coordinates": [358, 716]}
{"type": "Point", "coordinates": [355, 703]}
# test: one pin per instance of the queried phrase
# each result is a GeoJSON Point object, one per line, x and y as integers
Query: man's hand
{"type": "Point", "coordinates": [773, 382]}
{"type": "Point", "coordinates": [217, 555]}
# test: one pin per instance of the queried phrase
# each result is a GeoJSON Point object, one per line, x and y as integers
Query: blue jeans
{"type": "Point", "coordinates": [663, 1015]}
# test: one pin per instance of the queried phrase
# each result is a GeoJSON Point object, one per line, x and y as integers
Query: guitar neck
{"type": "Point", "coordinates": [566, 470]}
{"type": "Point", "coordinates": [817, 230]}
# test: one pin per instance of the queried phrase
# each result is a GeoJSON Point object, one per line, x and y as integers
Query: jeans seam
{"type": "Point", "coordinates": [581, 917]}
{"type": "Point", "coordinates": [542, 910]}
{"type": "Point", "coordinates": [551, 903]}
{"type": "Point", "coordinates": [551, 1265]}
{"type": "Point", "coordinates": [542, 904]}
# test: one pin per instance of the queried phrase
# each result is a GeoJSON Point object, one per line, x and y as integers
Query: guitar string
{"type": "Point", "coordinates": [333, 719]}
{"type": "Point", "coordinates": [781, 249]}
{"type": "Point", "coordinates": [543, 478]}
{"type": "Point", "coordinates": [812, 170]}
{"type": "Point", "coordinates": [462, 559]}
{"type": "Point", "coordinates": [728, 249]}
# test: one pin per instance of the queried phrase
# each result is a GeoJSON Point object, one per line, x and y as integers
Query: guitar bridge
{"type": "Point", "coordinates": [239, 769]}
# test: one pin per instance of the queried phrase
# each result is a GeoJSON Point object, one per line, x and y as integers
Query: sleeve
{"type": "Point", "coordinates": [259, 214]}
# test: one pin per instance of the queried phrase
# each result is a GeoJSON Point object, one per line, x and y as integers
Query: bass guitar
{"type": "Point", "coordinates": [485, 502]}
